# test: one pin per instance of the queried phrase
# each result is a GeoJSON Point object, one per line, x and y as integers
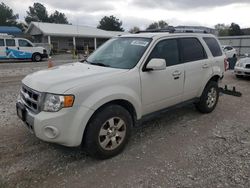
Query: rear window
{"type": "Point", "coordinates": [192, 50]}
{"type": "Point", "coordinates": [10, 42]}
{"type": "Point", "coordinates": [213, 46]}
{"type": "Point", "coordinates": [1, 42]}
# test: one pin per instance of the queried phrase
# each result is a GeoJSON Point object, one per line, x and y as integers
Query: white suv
{"type": "Point", "coordinates": [97, 102]}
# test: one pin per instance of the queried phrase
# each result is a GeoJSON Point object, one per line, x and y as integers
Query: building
{"type": "Point", "coordinates": [10, 30]}
{"type": "Point", "coordinates": [64, 37]}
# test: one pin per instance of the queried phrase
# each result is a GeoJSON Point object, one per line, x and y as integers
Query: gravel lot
{"type": "Point", "coordinates": [181, 148]}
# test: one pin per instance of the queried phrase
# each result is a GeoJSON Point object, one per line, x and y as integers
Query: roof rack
{"type": "Point", "coordinates": [171, 29]}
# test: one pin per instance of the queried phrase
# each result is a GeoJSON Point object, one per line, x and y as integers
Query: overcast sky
{"type": "Point", "coordinates": [143, 12]}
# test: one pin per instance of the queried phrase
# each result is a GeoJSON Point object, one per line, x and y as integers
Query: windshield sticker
{"type": "Point", "coordinates": [139, 43]}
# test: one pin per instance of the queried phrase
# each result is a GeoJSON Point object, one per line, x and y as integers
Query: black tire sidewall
{"type": "Point", "coordinates": [202, 105]}
{"type": "Point", "coordinates": [34, 57]}
{"type": "Point", "coordinates": [91, 141]}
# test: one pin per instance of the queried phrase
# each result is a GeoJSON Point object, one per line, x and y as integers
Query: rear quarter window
{"type": "Point", "coordinates": [191, 50]}
{"type": "Point", "coordinates": [213, 46]}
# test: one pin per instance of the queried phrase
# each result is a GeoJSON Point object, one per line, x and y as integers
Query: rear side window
{"type": "Point", "coordinates": [192, 50]}
{"type": "Point", "coordinates": [168, 50]}
{"type": "Point", "coordinates": [213, 46]}
{"type": "Point", "coordinates": [1, 42]}
{"type": "Point", "coordinates": [10, 42]}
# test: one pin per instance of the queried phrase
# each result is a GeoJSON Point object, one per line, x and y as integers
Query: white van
{"type": "Point", "coordinates": [20, 48]}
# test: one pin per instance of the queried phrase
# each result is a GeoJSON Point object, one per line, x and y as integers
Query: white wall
{"type": "Point", "coordinates": [240, 43]}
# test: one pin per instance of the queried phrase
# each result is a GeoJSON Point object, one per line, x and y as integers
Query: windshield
{"type": "Point", "coordinates": [123, 52]}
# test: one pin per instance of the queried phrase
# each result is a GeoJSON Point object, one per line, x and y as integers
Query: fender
{"type": "Point", "coordinates": [108, 94]}
{"type": "Point", "coordinates": [216, 72]}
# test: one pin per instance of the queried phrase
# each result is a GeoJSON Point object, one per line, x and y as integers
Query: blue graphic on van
{"type": "Point", "coordinates": [16, 54]}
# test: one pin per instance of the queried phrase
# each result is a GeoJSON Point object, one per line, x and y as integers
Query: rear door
{"type": "Point", "coordinates": [164, 88]}
{"type": "Point", "coordinates": [2, 49]}
{"type": "Point", "coordinates": [197, 66]}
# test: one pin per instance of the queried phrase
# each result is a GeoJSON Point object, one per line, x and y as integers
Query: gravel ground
{"type": "Point", "coordinates": [181, 148]}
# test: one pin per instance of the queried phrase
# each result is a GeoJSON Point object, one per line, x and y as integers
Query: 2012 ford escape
{"type": "Point", "coordinates": [97, 102]}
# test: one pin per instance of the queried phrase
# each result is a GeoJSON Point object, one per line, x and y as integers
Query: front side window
{"type": "Point", "coordinates": [10, 42]}
{"type": "Point", "coordinates": [168, 50]}
{"type": "Point", "coordinates": [1, 42]}
{"type": "Point", "coordinates": [192, 50]}
{"type": "Point", "coordinates": [123, 52]}
{"type": "Point", "coordinates": [24, 43]}
{"type": "Point", "coordinates": [213, 46]}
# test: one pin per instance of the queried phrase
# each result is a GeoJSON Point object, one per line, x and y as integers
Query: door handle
{"type": "Point", "coordinates": [18, 48]}
{"type": "Point", "coordinates": [176, 73]}
{"type": "Point", "coordinates": [205, 66]}
{"type": "Point", "coordinates": [6, 48]}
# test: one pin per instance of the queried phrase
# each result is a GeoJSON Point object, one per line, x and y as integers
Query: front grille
{"type": "Point", "coordinates": [248, 66]}
{"type": "Point", "coordinates": [31, 98]}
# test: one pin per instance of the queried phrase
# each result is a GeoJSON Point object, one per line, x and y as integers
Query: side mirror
{"type": "Point", "coordinates": [156, 64]}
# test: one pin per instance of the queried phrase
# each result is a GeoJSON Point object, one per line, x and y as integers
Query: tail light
{"type": "Point", "coordinates": [226, 64]}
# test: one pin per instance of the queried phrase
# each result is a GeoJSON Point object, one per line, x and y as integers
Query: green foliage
{"type": "Point", "coordinates": [110, 23]}
{"type": "Point", "coordinates": [234, 30]}
{"type": "Point", "coordinates": [134, 29]}
{"type": "Point", "coordinates": [58, 17]}
{"type": "Point", "coordinates": [226, 30]}
{"type": "Point", "coordinates": [7, 17]}
{"type": "Point", "coordinates": [39, 13]}
{"type": "Point", "coordinates": [158, 25]}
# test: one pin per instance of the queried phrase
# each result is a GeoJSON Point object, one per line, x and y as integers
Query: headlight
{"type": "Point", "coordinates": [54, 103]}
{"type": "Point", "coordinates": [239, 64]}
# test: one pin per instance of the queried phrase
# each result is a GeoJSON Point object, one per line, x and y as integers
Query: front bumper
{"type": "Point", "coordinates": [242, 71]}
{"type": "Point", "coordinates": [65, 127]}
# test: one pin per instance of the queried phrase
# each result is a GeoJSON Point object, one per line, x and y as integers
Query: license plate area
{"type": "Point", "coordinates": [21, 111]}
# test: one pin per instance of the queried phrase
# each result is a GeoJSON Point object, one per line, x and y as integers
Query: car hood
{"type": "Point", "coordinates": [245, 60]}
{"type": "Point", "coordinates": [62, 78]}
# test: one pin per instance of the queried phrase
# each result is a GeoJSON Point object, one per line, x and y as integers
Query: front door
{"type": "Point", "coordinates": [164, 88]}
{"type": "Point", "coordinates": [25, 49]}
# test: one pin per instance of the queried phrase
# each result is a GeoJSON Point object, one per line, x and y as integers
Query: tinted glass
{"type": "Point", "coordinates": [228, 48]}
{"type": "Point", "coordinates": [10, 42]}
{"type": "Point", "coordinates": [121, 52]}
{"type": "Point", "coordinates": [213, 46]}
{"type": "Point", "coordinates": [24, 43]}
{"type": "Point", "coordinates": [192, 50]}
{"type": "Point", "coordinates": [1, 42]}
{"type": "Point", "coordinates": [168, 50]}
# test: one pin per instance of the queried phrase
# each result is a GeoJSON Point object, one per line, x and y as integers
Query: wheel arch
{"type": "Point", "coordinates": [121, 102]}
{"type": "Point", "coordinates": [214, 78]}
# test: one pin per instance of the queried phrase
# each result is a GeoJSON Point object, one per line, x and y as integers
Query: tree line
{"type": "Point", "coordinates": [36, 13]}
{"type": "Point", "coordinates": [39, 13]}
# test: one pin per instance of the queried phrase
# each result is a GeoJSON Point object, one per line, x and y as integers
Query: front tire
{"type": "Point", "coordinates": [108, 132]}
{"type": "Point", "coordinates": [209, 98]}
{"type": "Point", "coordinates": [36, 57]}
{"type": "Point", "coordinates": [239, 76]}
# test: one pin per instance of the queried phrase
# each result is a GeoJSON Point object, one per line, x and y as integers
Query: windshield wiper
{"type": "Point", "coordinates": [99, 64]}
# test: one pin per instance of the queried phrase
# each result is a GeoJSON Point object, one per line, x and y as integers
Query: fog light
{"type": "Point", "coordinates": [51, 132]}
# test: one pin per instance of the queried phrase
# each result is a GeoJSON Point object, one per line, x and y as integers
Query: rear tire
{"type": "Point", "coordinates": [36, 57]}
{"type": "Point", "coordinates": [108, 132]}
{"type": "Point", "coordinates": [209, 98]}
